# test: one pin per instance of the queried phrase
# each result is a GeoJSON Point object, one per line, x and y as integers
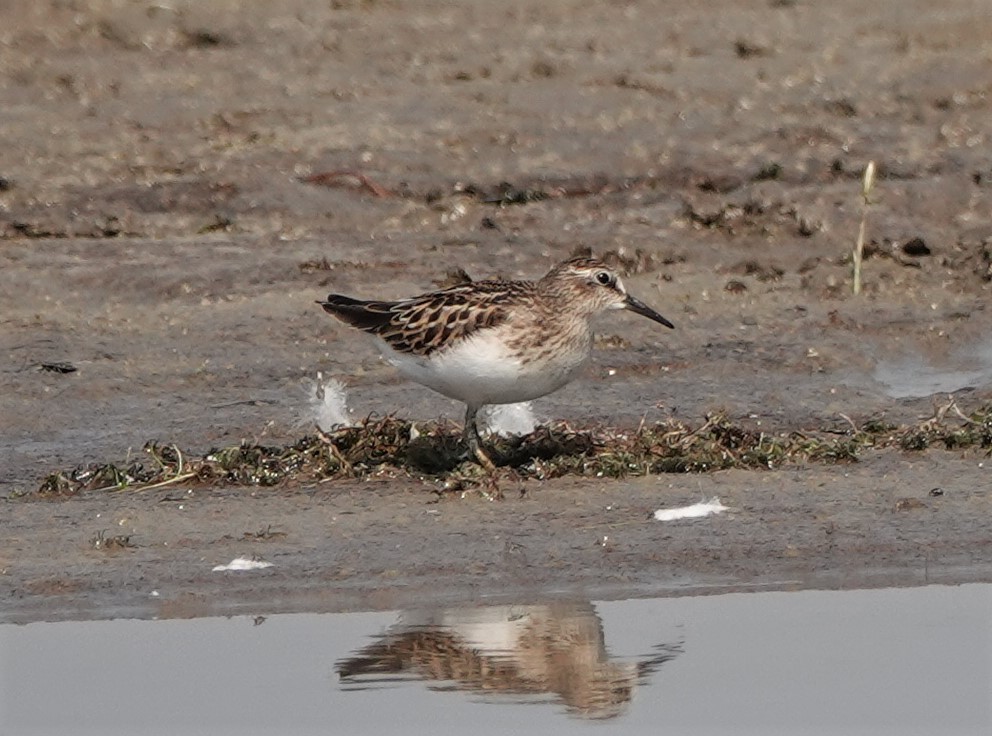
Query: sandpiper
{"type": "Point", "coordinates": [494, 342]}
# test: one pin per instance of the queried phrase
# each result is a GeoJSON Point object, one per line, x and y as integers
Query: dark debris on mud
{"type": "Point", "coordinates": [392, 447]}
{"type": "Point", "coordinates": [503, 194]}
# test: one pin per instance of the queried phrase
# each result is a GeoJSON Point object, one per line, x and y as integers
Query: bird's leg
{"type": "Point", "coordinates": [473, 442]}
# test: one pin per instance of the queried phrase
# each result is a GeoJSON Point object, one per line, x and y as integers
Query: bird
{"type": "Point", "coordinates": [496, 341]}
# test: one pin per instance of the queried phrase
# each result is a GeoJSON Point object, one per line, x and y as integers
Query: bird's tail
{"type": "Point", "coordinates": [368, 316]}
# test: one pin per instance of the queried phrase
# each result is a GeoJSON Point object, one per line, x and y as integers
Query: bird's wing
{"type": "Point", "coordinates": [427, 323]}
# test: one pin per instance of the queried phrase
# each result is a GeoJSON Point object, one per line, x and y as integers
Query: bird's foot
{"type": "Point", "coordinates": [484, 460]}
{"type": "Point", "coordinates": [473, 445]}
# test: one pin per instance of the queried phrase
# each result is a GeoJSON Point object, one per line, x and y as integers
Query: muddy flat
{"type": "Point", "coordinates": [179, 183]}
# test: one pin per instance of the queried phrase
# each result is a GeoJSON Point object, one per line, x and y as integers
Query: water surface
{"type": "Point", "coordinates": [900, 661]}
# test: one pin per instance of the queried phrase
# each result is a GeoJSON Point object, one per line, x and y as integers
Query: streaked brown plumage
{"type": "Point", "coordinates": [429, 322]}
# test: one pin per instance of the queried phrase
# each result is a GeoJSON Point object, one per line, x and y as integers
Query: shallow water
{"type": "Point", "coordinates": [914, 376]}
{"type": "Point", "coordinates": [872, 661]}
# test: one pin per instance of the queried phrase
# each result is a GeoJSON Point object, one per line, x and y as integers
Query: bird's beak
{"type": "Point", "coordinates": [638, 307]}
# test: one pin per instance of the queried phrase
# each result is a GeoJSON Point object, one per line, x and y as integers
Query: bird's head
{"type": "Point", "coordinates": [593, 287]}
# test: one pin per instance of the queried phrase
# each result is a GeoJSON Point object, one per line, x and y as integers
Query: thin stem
{"type": "Point", "coordinates": [867, 183]}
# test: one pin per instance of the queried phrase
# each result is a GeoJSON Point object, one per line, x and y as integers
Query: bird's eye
{"type": "Point", "coordinates": [604, 277]}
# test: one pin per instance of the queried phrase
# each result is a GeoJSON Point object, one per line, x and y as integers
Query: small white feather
{"type": "Point", "coordinates": [329, 404]}
{"type": "Point", "coordinates": [243, 563]}
{"type": "Point", "coordinates": [507, 420]}
{"type": "Point", "coordinates": [695, 511]}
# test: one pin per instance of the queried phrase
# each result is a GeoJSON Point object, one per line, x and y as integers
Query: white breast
{"type": "Point", "coordinates": [479, 370]}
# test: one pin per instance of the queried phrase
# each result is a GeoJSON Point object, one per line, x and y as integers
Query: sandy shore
{"type": "Point", "coordinates": [158, 237]}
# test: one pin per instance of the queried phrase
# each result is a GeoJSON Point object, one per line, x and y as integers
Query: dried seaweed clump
{"type": "Point", "coordinates": [666, 447]}
{"type": "Point", "coordinates": [973, 430]}
{"type": "Point", "coordinates": [391, 447]}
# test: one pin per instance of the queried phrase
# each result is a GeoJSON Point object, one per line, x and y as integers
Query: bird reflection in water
{"type": "Point", "coordinates": [509, 653]}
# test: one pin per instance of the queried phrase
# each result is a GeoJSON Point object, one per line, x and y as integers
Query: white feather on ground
{"type": "Point", "coordinates": [507, 420]}
{"type": "Point", "coordinates": [695, 511]}
{"type": "Point", "coordinates": [243, 563]}
{"type": "Point", "coordinates": [328, 404]}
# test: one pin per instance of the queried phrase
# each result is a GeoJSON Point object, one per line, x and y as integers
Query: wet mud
{"type": "Point", "coordinates": [179, 183]}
